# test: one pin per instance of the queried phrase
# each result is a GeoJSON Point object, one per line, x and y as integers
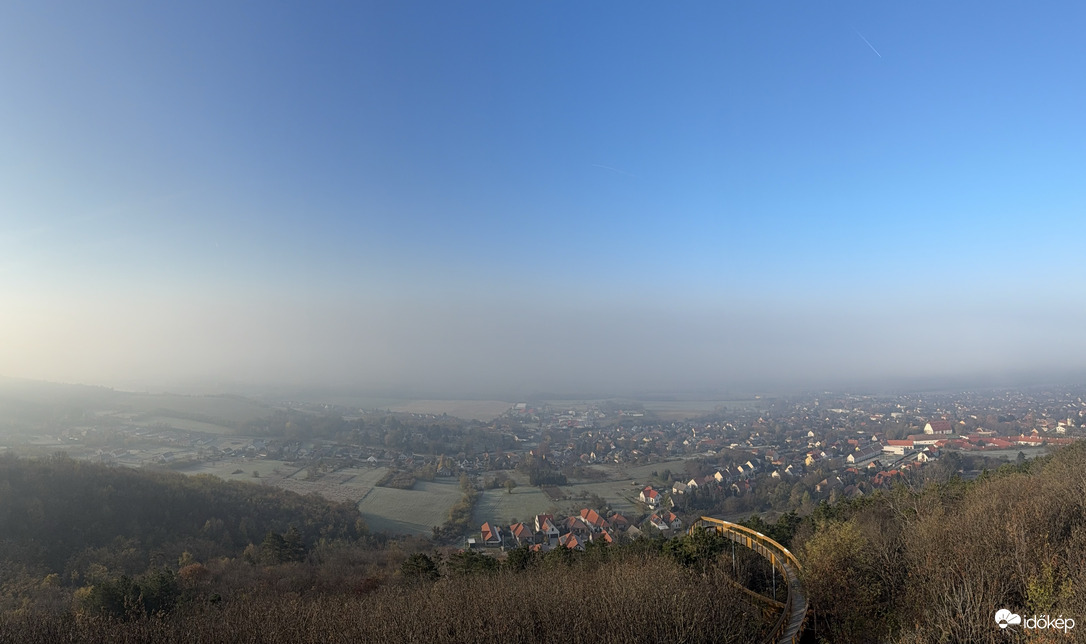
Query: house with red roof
{"type": "Point", "coordinates": [884, 477]}
{"type": "Point", "coordinates": [672, 520]}
{"type": "Point", "coordinates": [939, 427]}
{"type": "Point", "coordinates": [575, 525]}
{"type": "Point", "coordinates": [570, 541]}
{"type": "Point", "coordinates": [923, 440]}
{"type": "Point", "coordinates": [618, 521]}
{"type": "Point", "coordinates": [522, 534]}
{"type": "Point", "coordinates": [603, 536]}
{"type": "Point", "coordinates": [491, 535]}
{"type": "Point", "coordinates": [594, 520]}
{"type": "Point", "coordinates": [1032, 439]}
{"type": "Point", "coordinates": [544, 525]}
{"type": "Point", "coordinates": [650, 496]}
{"type": "Point", "coordinates": [656, 521]}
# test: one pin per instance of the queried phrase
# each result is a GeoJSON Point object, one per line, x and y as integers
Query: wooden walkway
{"type": "Point", "coordinates": [789, 626]}
{"type": "Point", "coordinates": [798, 614]}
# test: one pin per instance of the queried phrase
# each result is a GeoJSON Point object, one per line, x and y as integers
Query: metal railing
{"type": "Point", "coordinates": [789, 625]}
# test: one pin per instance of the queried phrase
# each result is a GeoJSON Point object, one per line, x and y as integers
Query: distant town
{"type": "Point", "coordinates": [549, 474]}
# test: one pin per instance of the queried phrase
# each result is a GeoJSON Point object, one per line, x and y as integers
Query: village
{"type": "Point", "coordinates": [596, 469]}
{"type": "Point", "coordinates": [546, 531]}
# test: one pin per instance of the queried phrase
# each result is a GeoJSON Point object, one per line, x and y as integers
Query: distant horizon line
{"type": "Point", "coordinates": [753, 391]}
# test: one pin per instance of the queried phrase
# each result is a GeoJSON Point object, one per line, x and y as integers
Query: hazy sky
{"type": "Point", "coordinates": [472, 197]}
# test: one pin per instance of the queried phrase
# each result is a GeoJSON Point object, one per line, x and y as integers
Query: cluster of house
{"type": "Point", "coordinates": [546, 531]}
{"type": "Point", "coordinates": [738, 477]}
{"type": "Point", "coordinates": [911, 452]}
{"type": "Point", "coordinates": [938, 435]}
{"type": "Point", "coordinates": [871, 454]}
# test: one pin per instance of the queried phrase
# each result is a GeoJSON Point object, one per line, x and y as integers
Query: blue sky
{"type": "Point", "coordinates": [554, 195]}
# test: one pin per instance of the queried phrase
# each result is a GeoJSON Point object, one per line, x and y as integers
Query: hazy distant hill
{"type": "Point", "coordinates": [32, 404]}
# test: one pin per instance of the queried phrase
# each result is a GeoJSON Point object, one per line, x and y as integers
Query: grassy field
{"type": "Point", "coordinates": [229, 469]}
{"type": "Point", "coordinates": [348, 485]}
{"type": "Point", "coordinates": [639, 473]}
{"type": "Point", "coordinates": [621, 496]}
{"type": "Point", "coordinates": [414, 511]}
{"type": "Point", "coordinates": [617, 490]}
{"type": "Point", "coordinates": [504, 508]}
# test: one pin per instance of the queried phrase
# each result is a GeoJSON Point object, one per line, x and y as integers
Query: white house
{"type": "Point", "coordinates": [938, 427]}
{"type": "Point", "coordinates": [649, 496]}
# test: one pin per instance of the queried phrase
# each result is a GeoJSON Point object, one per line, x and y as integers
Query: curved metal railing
{"type": "Point", "coordinates": [789, 625]}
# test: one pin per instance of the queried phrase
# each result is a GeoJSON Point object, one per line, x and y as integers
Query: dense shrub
{"type": "Point", "coordinates": [637, 600]}
{"type": "Point", "coordinates": [932, 565]}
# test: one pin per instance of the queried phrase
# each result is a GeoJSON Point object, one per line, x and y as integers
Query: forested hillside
{"type": "Point", "coordinates": [369, 591]}
{"type": "Point", "coordinates": [59, 515]}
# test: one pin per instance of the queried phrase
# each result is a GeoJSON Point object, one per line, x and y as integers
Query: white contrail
{"type": "Point", "coordinates": [607, 167]}
{"type": "Point", "coordinates": [869, 44]}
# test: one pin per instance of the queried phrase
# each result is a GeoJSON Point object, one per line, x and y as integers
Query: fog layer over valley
{"type": "Point", "coordinates": [514, 347]}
